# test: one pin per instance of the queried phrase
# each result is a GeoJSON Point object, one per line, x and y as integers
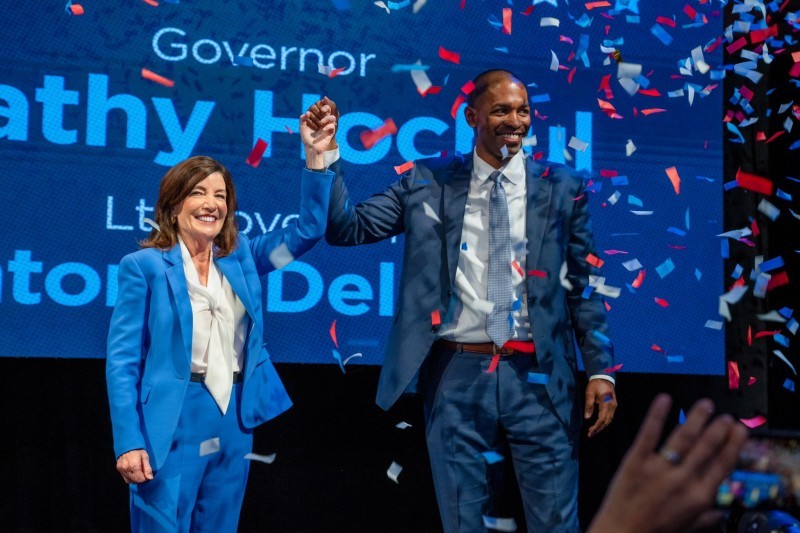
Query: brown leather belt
{"type": "Point", "coordinates": [489, 348]}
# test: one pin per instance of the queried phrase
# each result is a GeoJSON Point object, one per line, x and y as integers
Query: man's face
{"type": "Point", "coordinates": [501, 117]}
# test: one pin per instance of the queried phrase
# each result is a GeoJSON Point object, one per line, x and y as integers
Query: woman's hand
{"type": "Point", "coordinates": [318, 131]}
{"type": "Point", "coordinates": [134, 466]}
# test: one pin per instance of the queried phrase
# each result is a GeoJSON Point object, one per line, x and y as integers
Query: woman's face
{"type": "Point", "coordinates": [202, 213]}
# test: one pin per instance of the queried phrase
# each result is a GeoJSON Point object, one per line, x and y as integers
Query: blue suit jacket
{"type": "Point", "coordinates": [150, 336]}
{"type": "Point", "coordinates": [558, 230]}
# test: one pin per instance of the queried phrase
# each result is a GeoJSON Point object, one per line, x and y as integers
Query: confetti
{"type": "Point", "coordinates": [493, 363]}
{"type": "Point", "coordinates": [661, 302]}
{"type": "Point", "coordinates": [665, 268]}
{"type": "Point", "coordinates": [491, 457]}
{"type": "Point", "coordinates": [754, 183]}
{"type": "Point", "coordinates": [733, 375]}
{"type": "Point", "coordinates": [594, 260]}
{"type": "Point", "coordinates": [402, 425]}
{"type": "Point", "coordinates": [254, 159]}
{"type": "Point", "coordinates": [436, 318]}
{"type": "Point", "coordinates": [713, 324]}
{"type": "Point", "coordinates": [280, 256]}
{"type": "Point", "coordinates": [538, 378]}
{"type": "Point", "coordinates": [779, 355]}
{"type": "Point", "coordinates": [371, 137]}
{"type": "Point", "coordinates": [630, 148]}
{"type": "Point", "coordinates": [207, 447]}
{"type": "Point", "coordinates": [456, 104]}
{"type": "Point", "coordinates": [499, 524]}
{"type": "Point", "coordinates": [754, 422]}
{"type": "Point", "coordinates": [76, 10]}
{"type": "Point", "coordinates": [152, 76]}
{"type": "Point", "coordinates": [612, 369]}
{"type": "Point", "coordinates": [267, 459]}
{"type": "Point", "coordinates": [405, 167]}
{"type": "Point", "coordinates": [506, 21]}
{"type": "Point", "coordinates": [577, 144]}
{"type": "Point", "coordinates": [394, 471]}
{"type": "Point", "coordinates": [447, 55]}
{"type": "Point", "coordinates": [351, 357]}
{"type": "Point", "coordinates": [549, 22]}
{"type": "Point", "coordinates": [632, 265]}
{"type": "Point", "coordinates": [332, 333]}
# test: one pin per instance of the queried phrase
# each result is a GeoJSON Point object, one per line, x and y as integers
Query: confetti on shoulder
{"type": "Point", "coordinates": [267, 459]}
{"type": "Point", "coordinates": [152, 76]}
{"type": "Point", "coordinates": [405, 167]}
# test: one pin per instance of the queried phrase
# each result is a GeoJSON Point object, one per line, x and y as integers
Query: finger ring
{"type": "Point", "coordinates": [671, 456]}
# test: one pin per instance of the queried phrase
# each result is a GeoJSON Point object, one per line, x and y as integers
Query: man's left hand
{"type": "Point", "coordinates": [600, 393]}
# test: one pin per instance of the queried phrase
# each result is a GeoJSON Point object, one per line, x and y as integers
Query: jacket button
{"type": "Point", "coordinates": [435, 329]}
{"type": "Point", "coordinates": [449, 293]}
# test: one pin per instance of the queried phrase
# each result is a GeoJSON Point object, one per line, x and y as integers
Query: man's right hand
{"type": "Point", "coordinates": [134, 466]}
{"type": "Point", "coordinates": [318, 111]}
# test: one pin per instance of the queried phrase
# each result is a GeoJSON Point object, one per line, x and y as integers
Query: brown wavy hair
{"type": "Point", "coordinates": [176, 185]}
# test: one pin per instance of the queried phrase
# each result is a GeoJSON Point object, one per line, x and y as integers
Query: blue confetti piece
{"type": "Point", "coordinates": [676, 231]}
{"type": "Point", "coordinates": [503, 49]}
{"type": "Point", "coordinates": [446, 79]}
{"type": "Point", "coordinates": [793, 179]}
{"type": "Point", "coordinates": [737, 272]}
{"type": "Point", "coordinates": [341, 5]}
{"type": "Point", "coordinates": [243, 61]}
{"type": "Point", "coordinates": [788, 385]}
{"type": "Point", "coordinates": [584, 21]}
{"type": "Point", "coordinates": [733, 129]}
{"type": "Point", "coordinates": [632, 19]}
{"type": "Point", "coordinates": [338, 357]}
{"type": "Point", "coordinates": [661, 34]}
{"type": "Point", "coordinates": [786, 312]}
{"type": "Point", "coordinates": [492, 457]}
{"type": "Point", "coordinates": [619, 181]}
{"type": "Point", "coordinates": [725, 249]}
{"type": "Point", "coordinates": [682, 418]}
{"type": "Point", "coordinates": [597, 186]}
{"type": "Point", "coordinates": [730, 185]}
{"type": "Point", "coordinates": [792, 326]}
{"type": "Point", "coordinates": [710, 180]}
{"type": "Point", "coordinates": [686, 219]}
{"type": "Point", "coordinates": [630, 288]}
{"type": "Point", "coordinates": [398, 5]}
{"type": "Point", "coordinates": [783, 195]}
{"type": "Point", "coordinates": [772, 264]}
{"type": "Point", "coordinates": [665, 268]}
{"type": "Point", "coordinates": [587, 292]}
{"type": "Point", "coordinates": [540, 98]}
{"type": "Point", "coordinates": [632, 200]}
{"type": "Point", "coordinates": [674, 359]}
{"type": "Point", "coordinates": [408, 68]}
{"type": "Point", "coordinates": [600, 337]}
{"type": "Point", "coordinates": [538, 378]}
{"type": "Point", "coordinates": [781, 339]}
{"type": "Point", "coordinates": [517, 305]}
{"type": "Point", "coordinates": [464, 246]}
{"type": "Point", "coordinates": [176, 2]}
{"type": "Point", "coordinates": [642, 81]}
{"type": "Point", "coordinates": [698, 274]}
{"type": "Point", "coordinates": [494, 21]}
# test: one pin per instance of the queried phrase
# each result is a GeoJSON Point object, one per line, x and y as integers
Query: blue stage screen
{"type": "Point", "coordinates": [86, 137]}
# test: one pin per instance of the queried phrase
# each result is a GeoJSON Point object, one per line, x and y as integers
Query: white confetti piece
{"type": "Point", "coordinates": [280, 256]}
{"type": "Point", "coordinates": [384, 6]}
{"type": "Point", "coordinates": [769, 210]}
{"type": "Point", "coordinates": [783, 358]}
{"type": "Point", "coordinates": [772, 316]}
{"type": "Point", "coordinates": [577, 144]}
{"type": "Point", "coordinates": [403, 425]}
{"type": "Point", "coordinates": [629, 148]}
{"type": "Point", "coordinates": [549, 22]}
{"type": "Point", "coordinates": [421, 79]}
{"type": "Point", "coordinates": [714, 324]}
{"type": "Point", "coordinates": [736, 233]}
{"type": "Point", "coordinates": [354, 355]}
{"type": "Point", "coordinates": [628, 70]}
{"type": "Point", "coordinates": [419, 4]}
{"type": "Point", "coordinates": [207, 447]}
{"type": "Point", "coordinates": [430, 213]}
{"type": "Point", "coordinates": [562, 277]}
{"type": "Point", "coordinates": [324, 69]}
{"type": "Point", "coordinates": [394, 471]}
{"type": "Point", "coordinates": [614, 198]}
{"type": "Point", "coordinates": [553, 61]}
{"type": "Point", "coordinates": [642, 213]}
{"type": "Point", "coordinates": [151, 223]}
{"type": "Point", "coordinates": [499, 524]}
{"type": "Point", "coordinates": [268, 459]}
{"type": "Point", "coordinates": [632, 265]}
{"type": "Point", "coordinates": [630, 86]}
{"type": "Point", "coordinates": [504, 151]}
{"type": "Point", "coordinates": [529, 141]}
{"type": "Point", "coordinates": [762, 281]}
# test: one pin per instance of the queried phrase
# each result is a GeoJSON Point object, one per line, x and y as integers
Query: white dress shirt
{"type": "Point", "coordinates": [219, 296]}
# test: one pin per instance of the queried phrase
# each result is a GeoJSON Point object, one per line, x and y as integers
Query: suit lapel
{"type": "Point", "coordinates": [455, 201]}
{"type": "Point", "coordinates": [539, 190]}
{"type": "Point", "coordinates": [232, 270]}
{"type": "Point", "coordinates": [176, 278]}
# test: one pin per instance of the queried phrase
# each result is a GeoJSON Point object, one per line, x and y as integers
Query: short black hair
{"type": "Point", "coordinates": [482, 81]}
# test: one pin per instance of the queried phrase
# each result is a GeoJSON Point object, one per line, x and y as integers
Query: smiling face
{"type": "Point", "coordinates": [500, 116]}
{"type": "Point", "coordinates": [201, 215]}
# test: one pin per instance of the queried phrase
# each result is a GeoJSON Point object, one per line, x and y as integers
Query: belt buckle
{"type": "Point", "coordinates": [496, 350]}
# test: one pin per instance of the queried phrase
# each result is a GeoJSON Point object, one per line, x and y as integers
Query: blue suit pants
{"type": "Point", "coordinates": [468, 411]}
{"type": "Point", "coordinates": [194, 492]}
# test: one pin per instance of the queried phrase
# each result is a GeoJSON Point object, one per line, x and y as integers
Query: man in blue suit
{"type": "Point", "coordinates": [498, 251]}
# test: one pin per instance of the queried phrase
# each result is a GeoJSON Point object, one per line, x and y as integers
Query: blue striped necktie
{"type": "Point", "coordinates": [498, 321]}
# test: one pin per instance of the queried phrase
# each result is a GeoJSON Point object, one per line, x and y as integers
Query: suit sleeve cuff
{"type": "Point", "coordinates": [330, 157]}
{"type": "Point", "coordinates": [605, 377]}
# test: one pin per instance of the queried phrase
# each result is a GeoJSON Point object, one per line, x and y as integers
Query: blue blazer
{"type": "Point", "coordinates": [150, 336]}
{"type": "Point", "coordinates": [558, 230]}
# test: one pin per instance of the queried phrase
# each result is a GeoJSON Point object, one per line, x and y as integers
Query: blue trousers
{"type": "Point", "coordinates": [469, 411]}
{"type": "Point", "coordinates": [193, 492]}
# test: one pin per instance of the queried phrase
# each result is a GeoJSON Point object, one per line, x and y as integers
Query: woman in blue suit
{"type": "Point", "coordinates": [187, 370]}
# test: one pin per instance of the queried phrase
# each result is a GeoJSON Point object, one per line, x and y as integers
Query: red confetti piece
{"type": "Point", "coordinates": [778, 280]}
{"type": "Point", "coordinates": [506, 21]}
{"type": "Point", "coordinates": [493, 364]}
{"type": "Point", "coordinates": [652, 111]}
{"type": "Point", "coordinates": [518, 268]}
{"type": "Point", "coordinates": [733, 375]}
{"type": "Point", "coordinates": [736, 45]}
{"type": "Point", "coordinates": [594, 260]}
{"type": "Point", "coordinates": [332, 331]}
{"type": "Point", "coordinates": [538, 155]}
{"type": "Point", "coordinates": [656, 348]}
{"type": "Point", "coordinates": [639, 279]}
{"type": "Point", "coordinates": [546, 172]}
{"type": "Point", "coordinates": [468, 87]}
{"type": "Point", "coordinates": [578, 197]}
{"type": "Point", "coordinates": [676, 247]}
{"type": "Point", "coordinates": [288, 129]}
{"type": "Point", "coordinates": [408, 165]}
{"type": "Point", "coordinates": [528, 11]}
{"type": "Point", "coordinates": [754, 422]}
{"type": "Point", "coordinates": [672, 173]}
{"type": "Point", "coordinates": [571, 74]}
{"type": "Point", "coordinates": [462, 4]}
{"type": "Point", "coordinates": [662, 302]}
{"type": "Point", "coordinates": [565, 39]}
{"type": "Point", "coordinates": [371, 138]}
{"type": "Point", "coordinates": [751, 381]}
{"type": "Point", "coordinates": [690, 11]}
{"type": "Point", "coordinates": [77, 9]}
{"type": "Point", "coordinates": [543, 117]}
{"type": "Point", "coordinates": [713, 46]}
{"type": "Point", "coordinates": [151, 2]}
{"type": "Point", "coordinates": [254, 159]}
{"type": "Point", "coordinates": [761, 334]}
{"type": "Point", "coordinates": [595, 5]}
{"type": "Point", "coordinates": [757, 36]}
{"type": "Point", "coordinates": [666, 21]}
{"type": "Point", "coordinates": [754, 183]}
{"type": "Point", "coordinates": [608, 109]}
{"type": "Point", "coordinates": [749, 335]}
{"type": "Point", "coordinates": [612, 369]}
{"type": "Point", "coordinates": [605, 86]}
{"type": "Point", "coordinates": [447, 55]}
{"type": "Point", "coordinates": [152, 76]}
{"type": "Point", "coordinates": [754, 228]}
{"type": "Point", "coordinates": [436, 319]}
{"type": "Point", "coordinates": [537, 273]}
{"type": "Point", "coordinates": [775, 136]}
{"type": "Point", "coordinates": [605, 173]}
{"type": "Point", "coordinates": [456, 104]}
{"type": "Point", "coordinates": [335, 72]}
{"type": "Point", "coordinates": [649, 92]}
{"type": "Point", "coordinates": [433, 89]}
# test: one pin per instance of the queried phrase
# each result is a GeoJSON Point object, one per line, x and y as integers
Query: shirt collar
{"type": "Point", "coordinates": [513, 170]}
